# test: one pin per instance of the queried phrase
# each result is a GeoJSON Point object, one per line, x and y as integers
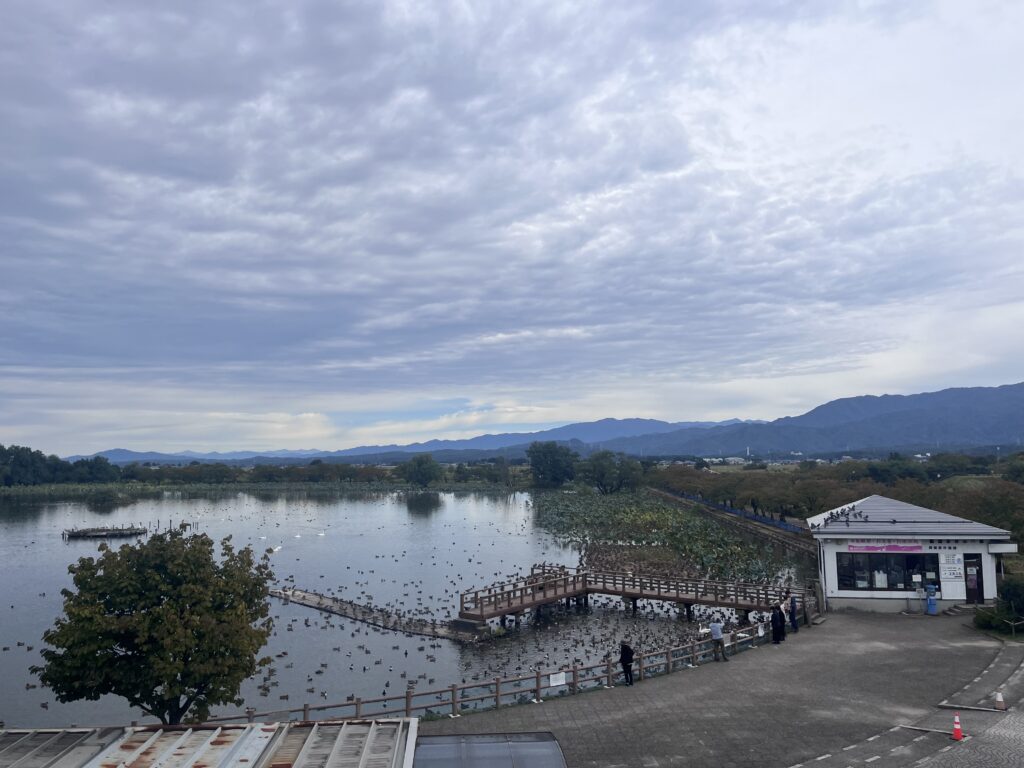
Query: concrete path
{"type": "Point", "coordinates": [832, 691]}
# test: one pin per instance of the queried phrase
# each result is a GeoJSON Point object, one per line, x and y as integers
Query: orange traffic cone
{"type": "Point", "coordinates": [958, 733]}
{"type": "Point", "coordinates": [1000, 704]}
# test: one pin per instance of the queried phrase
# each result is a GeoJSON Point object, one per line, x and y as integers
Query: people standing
{"type": "Point", "coordinates": [794, 618]}
{"type": "Point", "coordinates": [717, 641]}
{"type": "Point", "coordinates": [626, 660]}
{"type": "Point", "coordinates": [778, 625]}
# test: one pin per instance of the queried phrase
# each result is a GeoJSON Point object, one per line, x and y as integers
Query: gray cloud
{"type": "Point", "coordinates": [467, 216]}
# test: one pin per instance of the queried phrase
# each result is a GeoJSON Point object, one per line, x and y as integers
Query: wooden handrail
{"type": "Point", "coordinates": [551, 584]}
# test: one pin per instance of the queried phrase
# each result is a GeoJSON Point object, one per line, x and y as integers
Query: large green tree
{"type": "Point", "coordinates": [420, 470]}
{"type": "Point", "coordinates": [610, 473]}
{"type": "Point", "coordinates": [551, 464]}
{"type": "Point", "coordinates": [163, 623]}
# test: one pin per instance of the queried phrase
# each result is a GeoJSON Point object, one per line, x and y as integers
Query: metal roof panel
{"type": "Point", "coordinates": [879, 516]}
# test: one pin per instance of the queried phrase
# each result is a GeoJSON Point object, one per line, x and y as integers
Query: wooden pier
{"type": "Point", "coordinates": [549, 584]}
{"type": "Point", "coordinates": [378, 617]}
{"type": "Point", "coordinates": [105, 533]}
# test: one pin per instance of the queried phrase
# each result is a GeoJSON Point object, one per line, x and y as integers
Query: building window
{"type": "Point", "coordinates": [881, 572]}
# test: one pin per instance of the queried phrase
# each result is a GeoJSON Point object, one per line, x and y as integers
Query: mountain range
{"type": "Point", "coordinates": [950, 419]}
{"type": "Point", "coordinates": [594, 433]}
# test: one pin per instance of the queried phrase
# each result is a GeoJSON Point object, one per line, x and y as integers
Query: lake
{"type": "Point", "coordinates": [417, 552]}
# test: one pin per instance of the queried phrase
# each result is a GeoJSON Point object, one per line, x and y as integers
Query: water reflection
{"type": "Point", "coordinates": [378, 546]}
{"type": "Point", "coordinates": [423, 504]}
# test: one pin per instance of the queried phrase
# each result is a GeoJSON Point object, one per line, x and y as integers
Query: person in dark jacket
{"type": "Point", "coordinates": [778, 625]}
{"type": "Point", "coordinates": [794, 617]}
{"type": "Point", "coordinates": [626, 660]}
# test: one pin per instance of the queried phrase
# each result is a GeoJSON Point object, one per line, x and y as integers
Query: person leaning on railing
{"type": "Point", "coordinates": [717, 640]}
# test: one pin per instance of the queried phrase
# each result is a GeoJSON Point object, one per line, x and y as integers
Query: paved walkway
{"type": "Point", "coordinates": [833, 690]}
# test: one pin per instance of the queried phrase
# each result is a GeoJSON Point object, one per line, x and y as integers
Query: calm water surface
{"type": "Point", "coordinates": [417, 552]}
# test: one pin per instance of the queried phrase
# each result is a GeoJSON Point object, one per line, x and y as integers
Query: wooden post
{"type": "Point", "coordinates": [640, 666]}
{"type": "Point", "coordinates": [455, 701]}
{"type": "Point", "coordinates": [693, 653]}
{"type": "Point", "coordinates": [250, 714]}
{"type": "Point", "coordinates": [305, 712]}
{"type": "Point", "coordinates": [408, 702]}
{"type": "Point", "coordinates": [537, 694]}
{"type": "Point", "coordinates": [609, 683]}
{"type": "Point", "coordinates": [497, 692]}
{"type": "Point", "coordinates": [359, 708]}
{"type": "Point", "coordinates": [575, 679]}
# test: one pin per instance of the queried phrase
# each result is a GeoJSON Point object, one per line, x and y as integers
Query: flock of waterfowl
{"type": "Point", "coordinates": [374, 551]}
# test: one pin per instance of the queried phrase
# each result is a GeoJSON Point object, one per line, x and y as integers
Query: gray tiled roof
{"type": "Point", "coordinates": [878, 516]}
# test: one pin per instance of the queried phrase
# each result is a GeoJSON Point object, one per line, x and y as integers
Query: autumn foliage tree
{"type": "Point", "coordinates": [164, 624]}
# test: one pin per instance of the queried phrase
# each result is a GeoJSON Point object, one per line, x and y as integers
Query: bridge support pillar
{"type": "Point", "coordinates": [633, 601]}
{"type": "Point", "coordinates": [744, 618]}
{"type": "Point", "coordinates": [685, 609]}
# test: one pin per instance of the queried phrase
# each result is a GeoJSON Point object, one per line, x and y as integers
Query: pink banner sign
{"type": "Point", "coordinates": [884, 548]}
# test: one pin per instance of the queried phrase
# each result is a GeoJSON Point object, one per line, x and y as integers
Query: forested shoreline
{"type": "Point", "coordinates": [989, 489]}
{"type": "Point", "coordinates": [985, 489]}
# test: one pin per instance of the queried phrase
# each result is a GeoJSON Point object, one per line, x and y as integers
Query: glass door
{"type": "Point", "coordinates": [973, 579]}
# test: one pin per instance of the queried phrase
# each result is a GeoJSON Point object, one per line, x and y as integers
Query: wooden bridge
{"type": "Point", "coordinates": [548, 584]}
{"type": "Point", "coordinates": [378, 617]}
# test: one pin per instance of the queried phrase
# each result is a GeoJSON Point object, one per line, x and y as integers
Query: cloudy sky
{"type": "Point", "coordinates": [254, 225]}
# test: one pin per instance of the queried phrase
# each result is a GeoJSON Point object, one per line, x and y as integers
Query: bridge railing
{"type": "Point", "coordinates": [723, 592]}
{"type": "Point", "coordinates": [534, 686]}
{"type": "Point", "coordinates": [545, 585]}
{"type": "Point", "coordinates": [521, 593]}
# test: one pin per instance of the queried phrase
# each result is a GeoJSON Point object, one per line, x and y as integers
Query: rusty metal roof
{"type": "Point", "coordinates": [356, 744]}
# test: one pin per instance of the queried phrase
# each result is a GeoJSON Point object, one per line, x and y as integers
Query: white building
{"type": "Point", "coordinates": [876, 553]}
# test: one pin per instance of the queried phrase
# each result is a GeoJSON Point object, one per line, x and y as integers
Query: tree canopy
{"type": "Point", "coordinates": [162, 624]}
{"type": "Point", "coordinates": [609, 473]}
{"type": "Point", "coordinates": [23, 466]}
{"type": "Point", "coordinates": [552, 464]}
{"type": "Point", "coordinates": [420, 470]}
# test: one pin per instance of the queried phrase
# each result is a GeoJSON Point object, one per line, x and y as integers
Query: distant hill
{"type": "Point", "coordinates": [951, 419]}
{"type": "Point", "coordinates": [509, 444]}
{"type": "Point", "coordinates": [948, 420]}
{"type": "Point", "coordinates": [590, 432]}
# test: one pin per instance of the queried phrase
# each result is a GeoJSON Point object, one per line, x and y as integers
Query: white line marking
{"type": "Point", "coordinates": [823, 757]}
{"type": "Point", "coordinates": [852, 746]}
{"type": "Point", "coordinates": [872, 738]}
{"type": "Point", "coordinates": [922, 736]}
{"type": "Point", "coordinates": [872, 759]}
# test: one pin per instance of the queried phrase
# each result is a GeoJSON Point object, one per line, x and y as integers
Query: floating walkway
{"type": "Point", "coordinates": [548, 584]}
{"type": "Point", "coordinates": [378, 617]}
